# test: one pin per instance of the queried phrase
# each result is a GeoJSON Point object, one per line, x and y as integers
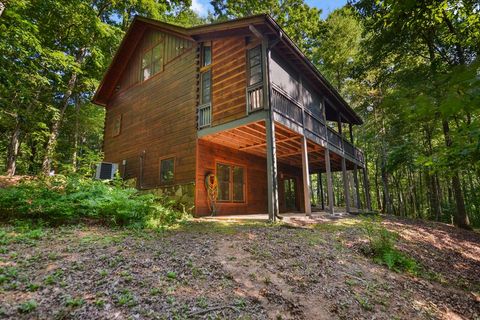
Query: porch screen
{"type": "Point", "coordinates": [231, 183]}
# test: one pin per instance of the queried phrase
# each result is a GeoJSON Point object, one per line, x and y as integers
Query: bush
{"type": "Point", "coordinates": [381, 245]}
{"type": "Point", "coordinates": [63, 199]}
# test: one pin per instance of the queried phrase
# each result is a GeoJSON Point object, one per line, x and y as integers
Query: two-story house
{"type": "Point", "coordinates": [235, 100]}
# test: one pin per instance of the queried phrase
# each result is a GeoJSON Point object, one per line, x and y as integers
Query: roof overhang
{"type": "Point", "coordinates": [261, 23]}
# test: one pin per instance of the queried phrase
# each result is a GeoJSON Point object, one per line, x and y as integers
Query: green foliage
{"type": "Point", "coordinates": [27, 306]}
{"type": "Point", "coordinates": [63, 199]}
{"type": "Point", "coordinates": [381, 246]}
{"type": "Point", "coordinates": [74, 302]}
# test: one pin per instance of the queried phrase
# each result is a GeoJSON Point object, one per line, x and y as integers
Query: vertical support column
{"type": "Point", "coordinates": [358, 202]}
{"type": "Point", "coordinates": [306, 178]}
{"type": "Point", "coordinates": [272, 182]}
{"type": "Point", "coordinates": [345, 185]}
{"type": "Point", "coordinates": [329, 181]}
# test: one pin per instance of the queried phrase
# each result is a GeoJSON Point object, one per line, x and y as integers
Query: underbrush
{"type": "Point", "coordinates": [61, 199]}
{"type": "Point", "coordinates": [381, 247]}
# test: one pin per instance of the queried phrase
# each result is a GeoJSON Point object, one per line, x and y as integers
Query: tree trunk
{"type": "Point", "coordinates": [460, 217]}
{"type": "Point", "coordinates": [2, 7]}
{"type": "Point", "coordinates": [75, 139]}
{"type": "Point", "coordinates": [57, 122]}
{"type": "Point", "coordinates": [13, 147]}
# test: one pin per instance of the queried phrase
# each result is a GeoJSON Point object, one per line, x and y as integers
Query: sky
{"type": "Point", "coordinates": [327, 6]}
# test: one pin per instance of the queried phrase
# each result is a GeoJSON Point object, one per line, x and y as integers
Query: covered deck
{"type": "Point", "coordinates": [315, 159]}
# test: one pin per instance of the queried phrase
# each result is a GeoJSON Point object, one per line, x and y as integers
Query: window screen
{"type": "Point", "coordinates": [255, 74]}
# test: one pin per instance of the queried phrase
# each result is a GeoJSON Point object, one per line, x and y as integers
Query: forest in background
{"type": "Point", "coordinates": [409, 68]}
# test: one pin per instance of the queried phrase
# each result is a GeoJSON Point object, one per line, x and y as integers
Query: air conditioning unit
{"type": "Point", "coordinates": [106, 170]}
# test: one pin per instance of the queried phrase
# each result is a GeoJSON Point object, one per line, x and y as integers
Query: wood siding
{"type": "Point", "coordinates": [173, 48]}
{"type": "Point", "coordinates": [256, 179]}
{"type": "Point", "coordinates": [157, 116]}
{"type": "Point", "coordinates": [229, 79]}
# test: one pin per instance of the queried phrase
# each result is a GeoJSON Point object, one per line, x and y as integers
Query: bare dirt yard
{"type": "Point", "coordinates": [214, 270]}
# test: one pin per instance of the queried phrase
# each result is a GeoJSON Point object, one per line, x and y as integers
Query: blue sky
{"type": "Point", "coordinates": [327, 6]}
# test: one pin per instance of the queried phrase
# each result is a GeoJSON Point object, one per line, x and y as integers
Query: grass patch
{"type": "Point", "coordinates": [381, 247]}
{"type": "Point", "coordinates": [27, 306]}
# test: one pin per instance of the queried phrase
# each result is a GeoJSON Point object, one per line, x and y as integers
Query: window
{"type": "Point", "coordinates": [206, 85]}
{"type": "Point", "coordinates": [204, 107]}
{"type": "Point", "coordinates": [255, 74]}
{"type": "Point", "coordinates": [206, 73]}
{"type": "Point", "coordinates": [167, 169]}
{"type": "Point", "coordinates": [152, 62]}
{"type": "Point", "coordinates": [231, 183]}
{"type": "Point", "coordinates": [206, 54]}
{"type": "Point", "coordinates": [117, 125]}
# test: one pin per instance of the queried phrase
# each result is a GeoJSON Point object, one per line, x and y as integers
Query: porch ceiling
{"type": "Point", "coordinates": [251, 138]}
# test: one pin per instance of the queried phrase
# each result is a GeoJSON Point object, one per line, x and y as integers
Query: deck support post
{"type": "Point", "coordinates": [345, 185]}
{"type": "Point", "coordinates": [271, 170]}
{"type": "Point", "coordinates": [272, 173]}
{"type": "Point", "coordinates": [329, 181]}
{"type": "Point", "coordinates": [357, 200]}
{"type": "Point", "coordinates": [306, 178]}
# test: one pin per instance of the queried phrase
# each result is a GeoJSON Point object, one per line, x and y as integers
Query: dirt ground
{"type": "Point", "coordinates": [215, 270]}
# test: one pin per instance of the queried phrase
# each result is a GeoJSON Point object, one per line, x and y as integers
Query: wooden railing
{"type": "Point", "coordinates": [204, 115]}
{"type": "Point", "coordinates": [255, 97]}
{"type": "Point", "coordinates": [291, 109]}
{"type": "Point", "coordinates": [286, 105]}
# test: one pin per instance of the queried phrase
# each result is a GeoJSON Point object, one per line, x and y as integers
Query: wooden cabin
{"type": "Point", "coordinates": [237, 100]}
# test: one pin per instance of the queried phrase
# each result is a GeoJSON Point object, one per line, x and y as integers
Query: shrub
{"type": "Point", "coordinates": [63, 199]}
{"type": "Point", "coordinates": [381, 246]}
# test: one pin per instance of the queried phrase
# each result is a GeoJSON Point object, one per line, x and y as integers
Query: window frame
{"type": "Point", "coordinates": [151, 63]}
{"type": "Point", "coordinates": [249, 74]}
{"type": "Point", "coordinates": [205, 69]}
{"type": "Point", "coordinates": [166, 183]}
{"type": "Point", "coordinates": [232, 165]}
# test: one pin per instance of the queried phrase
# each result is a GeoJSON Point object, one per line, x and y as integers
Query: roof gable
{"type": "Point", "coordinates": [247, 26]}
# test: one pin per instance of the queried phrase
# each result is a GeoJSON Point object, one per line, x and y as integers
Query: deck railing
{"type": "Point", "coordinates": [204, 115]}
{"type": "Point", "coordinates": [255, 97]}
{"type": "Point", "coordinates": [294, 111]}
{"type": "Point", "coordinates": [286, 105]}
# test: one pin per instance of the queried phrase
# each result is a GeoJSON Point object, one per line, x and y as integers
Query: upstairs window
{"type": "Point", "coordinates": [167, 170]}
{"type": "Point", "coordinates": [255, 72]}
{"type": "Point", "coordinates": [206, 85]}
{"type": "Point", "coordinates": [206, 73]}
{"type": "Point", "coordinates": [152, 62]}
{"type": "Point", "coordinates": [206, 54]}
{"type": "Point", "coordinates": [231, 183]}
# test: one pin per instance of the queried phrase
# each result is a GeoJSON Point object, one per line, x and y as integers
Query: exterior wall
{"type": "Point", "coordinates": [256, 179]}
{"type": "Point", "coordinates": [229, 79]}
{"type": "Point", "coordinates": [158, 115]}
